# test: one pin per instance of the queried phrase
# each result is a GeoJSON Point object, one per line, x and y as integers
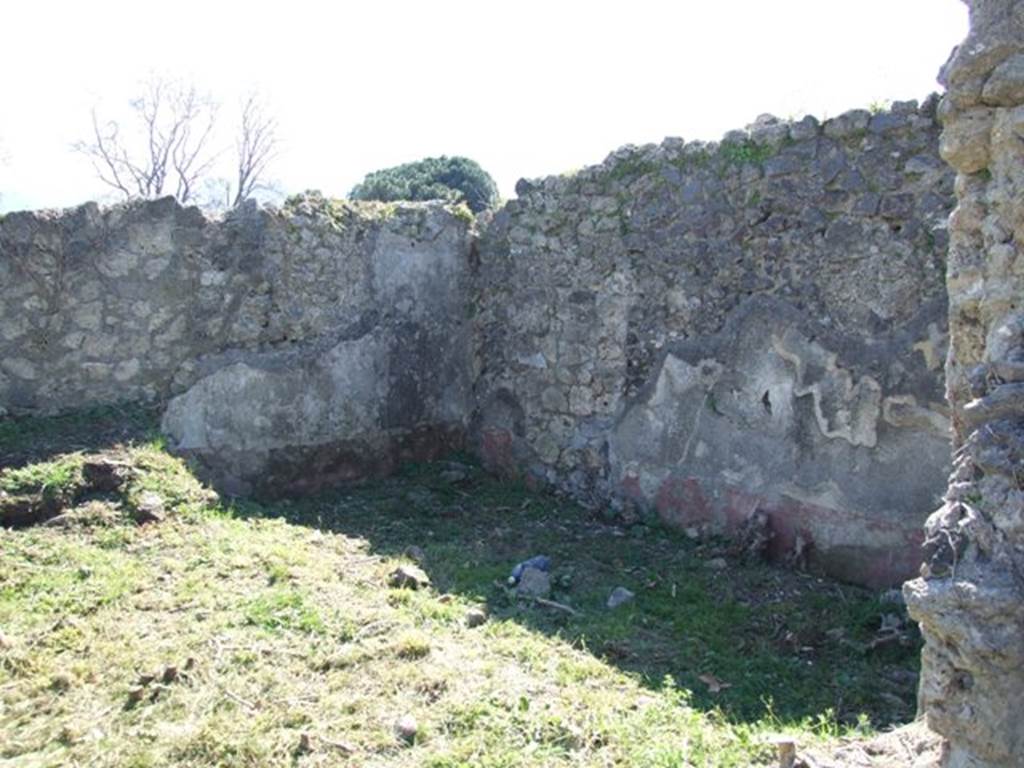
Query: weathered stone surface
{"type": "Point", "coordinates": [149, 508]}
{"type": "Point", "coordinates": [408, 577]}
{"type": "Point", "coordinates": [965, 144]}
{"type": "Point", "coordinates": [104, 474]}
{"type": "Point", "coordinates": [618, 597]}
{"type": "Point", "coordinates": [706, 330]}
{"type": "Point", "coordinates": [145, 288]}
{"type": "Point", "coordinates": [534, 583]}
{"type": "Point", "coordinates": [1005, 86]}
{"type": "Point", "coordinates": [969, 600]}
{"type": "Point", "coordinates": [702, 330]}
{"type": "Point", "coordinates": [713, 439]}
{"type": "Point", "coordinates": [321, 342]}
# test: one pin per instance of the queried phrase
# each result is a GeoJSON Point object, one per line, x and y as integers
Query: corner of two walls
{"type": "Point", "coordinates": [699, 330]}
{"type": "Point", "coordinates": [704, 331]}
{"type": "Point", "coordinates": [969, 598]}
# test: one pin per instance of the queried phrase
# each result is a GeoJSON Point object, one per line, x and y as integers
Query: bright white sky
{"type": "Point", "coordinates": [525, 87]}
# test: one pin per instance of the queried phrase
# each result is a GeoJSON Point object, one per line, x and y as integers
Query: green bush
{"type": "Point", "coordinates": [458, 179]}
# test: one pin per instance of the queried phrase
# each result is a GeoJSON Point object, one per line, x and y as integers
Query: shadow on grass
{"type": "Point", "coordinates": [26, 439]}
{"type": "Point", "coordinates": [782, 645]}
{"type": "Point", "coordinates": [751, 641]}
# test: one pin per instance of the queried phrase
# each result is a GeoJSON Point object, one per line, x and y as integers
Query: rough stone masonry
{"type": "Point", "coordinates": [969, 599]}
{"type": "Point", "coordinates": [714, 333]}
{"type": "Point", "coordinates": [321, 343]}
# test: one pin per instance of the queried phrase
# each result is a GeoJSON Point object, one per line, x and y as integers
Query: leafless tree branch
{"type": "Point", "coordinates": [256, 146]}
{"type": "Point", "coordinates": [167, 145]}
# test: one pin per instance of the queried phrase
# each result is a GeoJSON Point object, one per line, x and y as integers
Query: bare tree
{"type": "Point", "coordinates": [256, 146]}
{"type": "Point", "coordinates": [167, 146]}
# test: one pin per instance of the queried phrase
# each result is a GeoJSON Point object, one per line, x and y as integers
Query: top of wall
{"type": "Point", "coordinates": [758, 142]}
{"type": "Point", "coordinates": [845, 220]}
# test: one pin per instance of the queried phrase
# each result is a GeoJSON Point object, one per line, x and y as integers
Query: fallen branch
{"type": "Point", "coordinates": [264, 650]}
{"type": "Point", "coordinates": [235, 697]}
{"type": "Point", "coordinates": [348, 749]}
{"type": "Point", "coordinates": [552, 604]}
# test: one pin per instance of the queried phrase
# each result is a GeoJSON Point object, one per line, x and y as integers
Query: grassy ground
{"type": "Point", "coordinates": [250, 635]}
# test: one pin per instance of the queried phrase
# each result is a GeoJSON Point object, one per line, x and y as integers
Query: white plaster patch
{"type": "Point", "coordinates": [844, 410]}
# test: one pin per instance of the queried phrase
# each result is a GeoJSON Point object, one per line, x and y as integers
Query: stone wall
{"type": "Point", "coordinates": [320, 342]}
{"type": "Point", "coordinates": [970, 597]}
{"type": "Point", "coordinates": [704, 330]}
{"type": "Point", "coordinates": [710, 330]}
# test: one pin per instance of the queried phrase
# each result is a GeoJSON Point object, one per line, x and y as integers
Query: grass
{"type": "Point", "coordinates": [744, 152]}
{"type": "Point", "coordinates": [284, 608]}
{"type": "Point", "coordinates": [254, 634]}
{"type": "Point", "coordinates": [55, 478]}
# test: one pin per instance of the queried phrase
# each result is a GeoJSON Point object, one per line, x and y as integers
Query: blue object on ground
{"type": "Point", "coordinates": [540, 562]}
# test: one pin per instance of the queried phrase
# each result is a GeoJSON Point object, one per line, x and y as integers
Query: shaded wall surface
{"type": "Point", "coordinates": [969, 599]}
{"type": "Point", "coordinates": [319, 343]}
{"type": "Point", "coordinates": [709, 330]}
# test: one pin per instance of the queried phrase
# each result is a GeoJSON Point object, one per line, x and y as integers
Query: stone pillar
{"type": "Point", "coordinates": [969, 599]}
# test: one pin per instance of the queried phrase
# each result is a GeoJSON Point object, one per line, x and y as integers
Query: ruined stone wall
{"type": "Point", "coordinates": [317, 343]}
{"type": "Point", "coordinates": [708, 330]}
{"type": "Point", "coordinates": [970, 597]}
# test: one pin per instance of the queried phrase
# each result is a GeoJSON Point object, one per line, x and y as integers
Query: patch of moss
{"type": "Point", "coordinates": [632, 167]}
{"type": "Point", "coordinates": [462, 212]}
{"type": "Point", "coordinates": [744, 153]}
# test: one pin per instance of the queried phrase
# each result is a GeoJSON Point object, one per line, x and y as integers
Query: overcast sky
{"type": "Point", "coordinates": [526, 88]}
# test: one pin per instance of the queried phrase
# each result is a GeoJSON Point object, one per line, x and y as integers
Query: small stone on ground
{"type": "Point", "coordinates": [406, 729]}
{"type": "Point", "coordinates": [149, 509]}
{"type": "Point", "coordinates": [408, 577]}
{"type": "Point", "coordinates": [534, 583]}
{"type": "Point", "coordinates": [620, 596]}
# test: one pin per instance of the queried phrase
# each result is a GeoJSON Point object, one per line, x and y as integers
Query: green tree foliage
{"type": "Point", "coordinates": [435, 178]}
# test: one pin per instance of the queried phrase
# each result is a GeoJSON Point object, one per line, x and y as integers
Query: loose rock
{"type": "Point", "coordinates": [105, 474]}
{"type": "Point", "coordinates": [406, 729]}
{"type": "Point", "coordinates": [620, 596]}
{"type": "Point", "coordinates": [534, 583]}
{"type": "Point", "coordinates": [149, 508]}
{"type": "Point", "coordinates": [408, 577]}
{"type": "Point", "coordinates": [538, 562]}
